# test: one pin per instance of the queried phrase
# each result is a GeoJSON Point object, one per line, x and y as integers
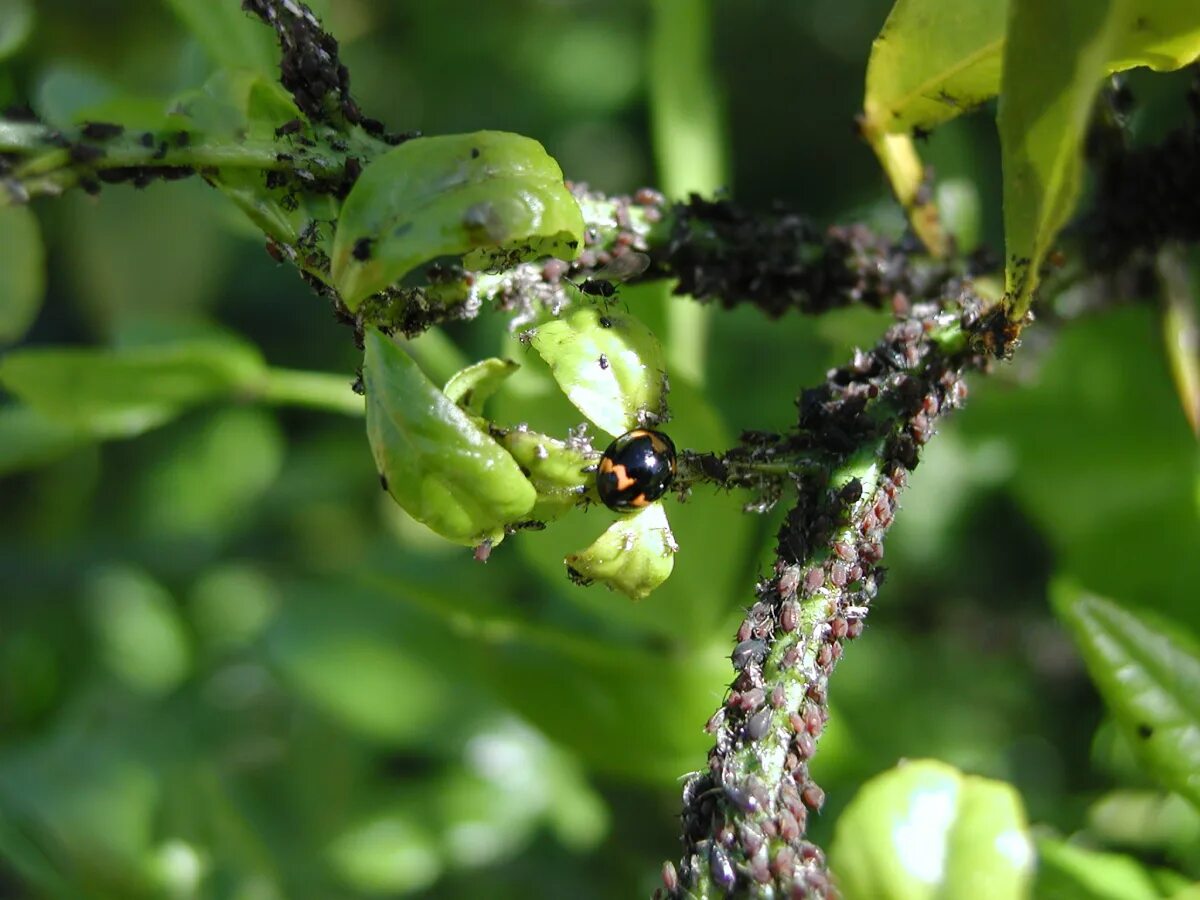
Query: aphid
{"type": "Point", "coordinates": [635, 470]}
{"type": "Point", "coordinates": [291, 126]}
{"type": "Point", "coordinates": [620, 268]}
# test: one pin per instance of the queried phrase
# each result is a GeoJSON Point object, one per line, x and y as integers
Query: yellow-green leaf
{"type": "Point", "coordinates": [926, 830]}
{"type": "Point", "coordinates": [471, 387]}
{"type": "Point", "coordinates": [1161, 34]}
{"type": "Point", "coordinates": [609, 365]}
{"type": "Point", "coordinates": [1055, 57]}
{"type": "Point", "coordinates": [634, 556]}
{"type": "Point", "coordinates": [559, 471]}
{"type": "Point", "coordinates": [932, 61]}
{"type": "Point", "coordinates": [450, 195]}
{"type": "Point", "coordinates": [439, 465]}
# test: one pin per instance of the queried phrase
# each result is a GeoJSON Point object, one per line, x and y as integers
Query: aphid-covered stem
{"type": "Point", "coordinates": [745, 817]}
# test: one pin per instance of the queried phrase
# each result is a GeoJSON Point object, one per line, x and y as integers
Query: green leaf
{"type": "Point", "coordinates": [609, 365]}
{"type": "Point", "coordinates": [933, 61]}
{"type": "Point", "coordinates": [230, 36]}
{"type": "Point", "coordinates": [1161, 34]}
{"type": "Point", "coordinates": [1150, 679]}
{"type": "Point", "coordinates": [1044, 110]}
{"type": "Point", "coordinates": [557, 470]}
{"type": "Point", "coordinates": [440, 466]}
{"type": "Point", "coordinates": [471, 387]}
{"type": "Point", "coordinates": [22, 271]}
{"type": "Point", "coordinates": [1065, 870]}
{"type": "Point", "coordinates": [16, 23]}
{"type": "Point", "coordinates": [448, 195]}
{"type": "Point", "coordinates": [634, 556]}
{"type": "Point", "coordinates": [118, 392]}
{"type": "Point", "coordinates": [926, 830]}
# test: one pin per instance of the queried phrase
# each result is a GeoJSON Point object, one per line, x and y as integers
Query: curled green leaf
{"type": "Point", "coordinates": [450, 195]}
{"type": "Point", "coordinates": [559, 471]}
{"type": "Point", "coordinates": [471, 387]}
{"type": "Point", "coordinates": [634, 556]}
{"type": "Point", "coordinates": [926, 830]}
{"type": "Point", "coordinates": [436, 461]}
{"type": "Point", "coordinates": [609, 365]}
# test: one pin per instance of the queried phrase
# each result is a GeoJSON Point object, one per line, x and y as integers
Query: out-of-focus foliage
{"type": "Point", "coordinates": [231, 667]}
{"type": "Point", "coordinates": [924, 830]}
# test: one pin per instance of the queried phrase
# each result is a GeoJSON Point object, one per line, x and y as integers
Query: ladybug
{"type": "Point", "coordinates": [635, 470]}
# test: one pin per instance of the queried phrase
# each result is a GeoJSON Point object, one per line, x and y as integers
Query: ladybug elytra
{"type": "Point", "coordinates": [635, 470]}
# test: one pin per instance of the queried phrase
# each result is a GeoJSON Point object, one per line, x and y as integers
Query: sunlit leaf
{"type": "Point", "coordinates": [1044, 110]}
{"type": "Point", "coordinates": [1047, 99]}
{"type": "Point", "coordinates": [609, 365]}
{"type": "Point", "coordinates": [441, 466]}
{"type": "Point", "coordinates": [22, 271]}
{"type": "Point", "coordinates": [471, 387]}
{"type": "Point", "coordinates": [926, 830]}
{"type": "Point", "coordinates": [1150, 679]}
{"type": "Point", "coordinates": [932, 61]}
{"type": "Point", "coordinates": [127, 391]}
{"type": "Point", "coordinates": [449, 195]}
{"type": "Point", "coordinates": [1161, 34]}
{"type": "Point", "coordinates": [634, 556]}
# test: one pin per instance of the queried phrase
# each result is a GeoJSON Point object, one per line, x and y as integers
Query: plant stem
{"type": "Point", "coordinates": [314, 390]}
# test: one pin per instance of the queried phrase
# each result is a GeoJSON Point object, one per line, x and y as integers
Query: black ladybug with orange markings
{"type": "Point", "coordinates": [635, 470]}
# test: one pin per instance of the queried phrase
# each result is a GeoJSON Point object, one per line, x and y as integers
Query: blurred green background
{"type": "Point", "coordinates": [230, 668]}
